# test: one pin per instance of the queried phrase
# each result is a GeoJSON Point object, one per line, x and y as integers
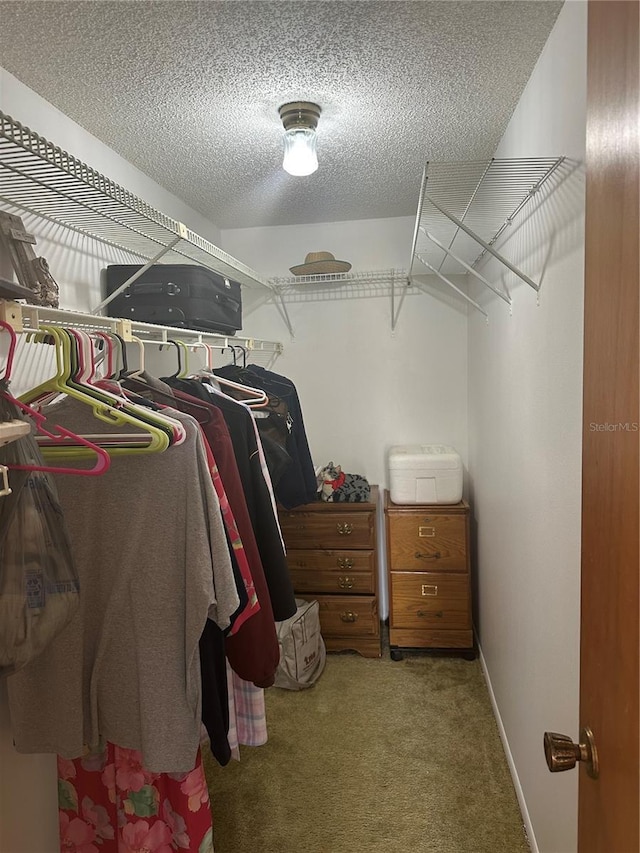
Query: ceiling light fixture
{"type": "Point", "coordinates": [300, 119]}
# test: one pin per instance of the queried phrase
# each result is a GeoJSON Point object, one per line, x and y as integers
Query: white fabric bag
{"type": "Point", "coordinates": [302, 650]}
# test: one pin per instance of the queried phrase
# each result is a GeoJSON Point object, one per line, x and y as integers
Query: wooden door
{"type": "Point", "coordinates": [608, 806]}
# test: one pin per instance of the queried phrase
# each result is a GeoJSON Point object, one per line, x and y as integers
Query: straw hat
{"type": "Point", "coordinates": [320, 263]}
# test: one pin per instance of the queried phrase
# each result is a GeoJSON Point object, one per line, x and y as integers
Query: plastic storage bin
{"type": "Point", "coordinates": [425, 474]}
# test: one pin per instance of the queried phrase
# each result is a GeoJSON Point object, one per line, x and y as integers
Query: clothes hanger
{"type": "Point", "coordinates": [255, 398]}
{"type": "Point", "coordinates": [182, 374]}
{"type": "Point", "coordinates": [137, 373]}
{"type": "Point", "coordinates": [244, 354]}
{"type": "Point", "coordinates": [135, 381]}
{"type": "Point", "coordinates": [60, 435]}
{"type": "Point", "coordinates": [179, 355]}
{"type": "Point", "coordinates": [122, 350]}
{"type": "Point", "coordinates": [109, 348]}
{"type": "Point", "coordinates": [77, 349]}
{"type": "Point", "coordinates": [175, 429]}
{"type": "Point", "coordinates": [233, 352]}
{"type": "Point", "coordinates": [106, 406]}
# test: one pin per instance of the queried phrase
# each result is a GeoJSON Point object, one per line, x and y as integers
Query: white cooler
{"type": "Point", "coordinates": [425, 474]}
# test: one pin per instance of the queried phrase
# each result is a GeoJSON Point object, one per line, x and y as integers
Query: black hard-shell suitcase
{"type": "Point", "coordinates": [182, 295]}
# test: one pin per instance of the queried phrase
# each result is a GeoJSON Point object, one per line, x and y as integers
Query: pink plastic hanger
{"type": "Point", "coordinates": [59, 437]}
{"type": "Point", "coordinates": [255, 398]}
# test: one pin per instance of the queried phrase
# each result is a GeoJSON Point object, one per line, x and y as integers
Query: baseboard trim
{"type": "Point", "coordinates": [512, 767]}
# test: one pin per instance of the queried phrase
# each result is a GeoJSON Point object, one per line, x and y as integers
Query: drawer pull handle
{"type": "Point", "coordinates": [345, 583]}
{"type": "Point", "coordinates": [344, 529]}
{"type": "Point", "coordinates": [435, 556]}
{"type": "Point", "coordinates": [345, 563]}
{"type": "Point", "coordinates": [349, 616]}
{"type": "Point", "coordinates": [427, 613]}
{"type": "Point", "coordinates": [429, 589]}
{"type": "Point", "coordinates": [427, 531]}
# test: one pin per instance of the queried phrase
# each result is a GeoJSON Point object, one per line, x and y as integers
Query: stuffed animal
{"type": "Point", "coordinates": [335, 485]}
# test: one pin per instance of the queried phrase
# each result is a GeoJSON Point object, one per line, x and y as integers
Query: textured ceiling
{"type": "Point", "coordinates": [189, 92]}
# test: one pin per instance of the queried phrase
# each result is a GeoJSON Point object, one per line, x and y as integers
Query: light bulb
{"type": "Point", "coordinates": [300, 156]}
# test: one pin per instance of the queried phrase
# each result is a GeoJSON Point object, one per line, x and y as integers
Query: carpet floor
{"type": "Point", "coordinates": [378, 757]}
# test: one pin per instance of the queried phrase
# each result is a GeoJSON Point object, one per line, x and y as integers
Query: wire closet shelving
{"type": "Point", "coordinates": [39, 177]}
{"type": "Point", "coordinates": [335, 286]}
{"type": "Point", "coordinates": [463, 210]}
{"type": "Point", "coordinates": [31, 318]}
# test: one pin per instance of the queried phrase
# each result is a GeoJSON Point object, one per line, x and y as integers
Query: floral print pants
{"type": "Point", "coordinates": [108, 803]}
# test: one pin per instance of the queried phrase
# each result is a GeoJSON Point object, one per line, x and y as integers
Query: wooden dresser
{"type": "Point", "coordinates": [332, 557]}
{"type": "Point", "coordinates": [428, 566]}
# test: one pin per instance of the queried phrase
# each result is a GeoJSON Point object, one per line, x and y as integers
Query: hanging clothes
{"type": "Point", "coordinates": [297, 483]}
{"type": "Point", "coordinates": [174, 608]}
{"type": "Point", "coordinates": [247, 715]}
{"type": "Point", "coordinates": [153, 562]}
{"type": "Point", "coordinates": [256, 491]}
{"type": "Point", "coordinates": [252, 649]}
{"type": "Point", "coordinates": [215, 692]}
{"type": "Point", "coordinates": [109, 803]}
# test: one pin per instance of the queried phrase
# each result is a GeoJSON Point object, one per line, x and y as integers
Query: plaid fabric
{"type": "Point", "coordinates": [251, 720]}
{"type": "Point", "coordinates": [232, 735]}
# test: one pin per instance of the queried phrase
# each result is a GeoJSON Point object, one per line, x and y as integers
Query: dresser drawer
{"type": "Point", "coordinates": [330, 561]}
{"type": "Point", "coordinates": [430, 600]}
{"type": "Point", "coordinates": [328, 529]}
{"type": "Point", "coordinates": [422, 542]}
{"type": "Point", "coordinates": [351, 583]}
{"type": "Point", "coordinates": [349, 572]}
{"type": "Point", "coordinates": [354, 615]}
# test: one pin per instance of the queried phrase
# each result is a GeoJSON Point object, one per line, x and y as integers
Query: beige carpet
{"type": "Point", "coordinates": [378, 757]}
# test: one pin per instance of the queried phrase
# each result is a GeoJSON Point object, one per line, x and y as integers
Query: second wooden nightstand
{"type": "Point", "coordinates": [428, 566]}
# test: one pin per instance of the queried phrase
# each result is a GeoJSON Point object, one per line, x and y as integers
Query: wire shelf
{"type": "Point", "coordinates": [343, 279]}
{"type": "Point", "coordinates": [485, 196]}
{"type": "Point", "coordinates": [30, 318]}
{"type": "Point", "coordinates": [41, 178]}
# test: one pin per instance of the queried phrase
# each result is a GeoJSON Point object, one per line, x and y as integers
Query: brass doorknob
{"type": "Point", "coordinates": [562, 753]}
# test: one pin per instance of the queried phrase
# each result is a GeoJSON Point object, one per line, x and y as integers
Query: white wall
{"type": "Point", "coordinates": [397, 387]}
{"type": "Point", "coordinates": [525, 416]}
{"type": "Point", "coordinates": [363, 387]}
{"type": "Point", "coordinates": [28, 783]}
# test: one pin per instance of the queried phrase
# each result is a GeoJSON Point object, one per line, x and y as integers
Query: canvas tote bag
{"type": "Point", "coordinates": [302, 649]}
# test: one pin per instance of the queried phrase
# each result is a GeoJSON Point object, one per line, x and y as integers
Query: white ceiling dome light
{"type": "Point", "coordinates": [300, 119]}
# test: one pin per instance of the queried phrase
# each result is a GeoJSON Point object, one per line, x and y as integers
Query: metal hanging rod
{"type": "Point", "coordinates": [29, 318]}
{"type": "Point", "coordinates": [41, 178]}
